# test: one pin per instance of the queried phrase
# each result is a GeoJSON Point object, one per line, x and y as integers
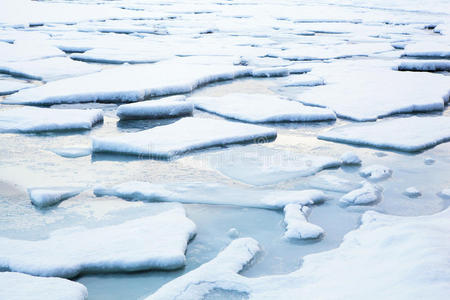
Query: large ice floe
{"type": "Point", "coordinates": [406, 254]}
{"type": "Point", "coordinates": [154, 242]}
{"type": "Point", "coordinates": [259, 165]}
{"type": "Point", "coordinates": [185, 135]}
{"type": "Point", "coordinates": [11, 86]}
{"type": "Point", "coordinates": [18, 286]}
{"type": "Point", "coordinates": [42, 197]}
{"type": "Point", "coordinates": [35, 119]}
{"type": "Point", "coordinates": [260, 108]}
{"type": "Point", "coordinates": [129, 83]}
{"type": "Point", "coordinates": [404, 134]}
{"type": "Point", "coordinates": [210, 193]}
{"type": "Point", "coordinates": [378, 93]}
{"type": "Point", "coordinates": [169, 107]}
{"type": "Point", "coordinates": [48, 69]}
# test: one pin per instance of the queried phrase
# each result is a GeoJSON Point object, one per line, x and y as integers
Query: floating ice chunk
{"type": "Point", "coordinates": [48, 196]}
{"type": "Point", "coordinates": [384, 247]}
{"type": "Point", "coordinates": [428, 160]}
{"type": "Point", "coordinates": [27, 50]}
{"type": "Point", "coordinates": [405, 134]}
{"type": "Point", "coordinates": [213, 274]}
{"type": "Point", "coordinates": [412, 192]}
{"type": "Point", "coordinates": [72, 152]}
{"type": "Point", "coordinates": [427, 50]}
{"type": "Point", "coordinates": [445, 193]}
{"type": "Point", "coordinates": [155, 242]}
{"type": "Point", "coordinates": [203, 193]}
{"type": "Point", "coordinates": [333, 183]}
{"type": "Point", "coordinates": [34, 119]}
{"type": "Point", "coordinates": [297, 226]}
{"type": "Point", "coordinates": [156, 109]}
{"type": "Point", "coordinates": [304, 80]}
{"type": "Point", "coordinates": [261, 108]}
{"type": "Point", "coordinates": [424, 65]}
{"type": "Point", "coordinates": [367, 194]}
{"type": "Point", "coordinates": [299, 68]}
{"type": "Point", "coordinates": [262, 166]}
{"type": "Point", "coordinates": [120, 55]}
{"type": "Point", "coordinates": [18, 286]}
{"type": "Point", "coordinates": [376, 172]}
{"type": "Point", "coordinates": [11, 86]}
{"type": "Point", "coordinates": [399, 45]}
{"type": "Point", "coordinates": [350, 158]}
{"type": "Point", "coordinates": [233, 233]}
{"type": "Point", "coordinates": [129, 83]}
{"type": "Point", "coordinates": [185, 135]}
{"type": "Point", "coordinates": [48, 69]}
{"type": "Point", "coordinates": [271, 72]}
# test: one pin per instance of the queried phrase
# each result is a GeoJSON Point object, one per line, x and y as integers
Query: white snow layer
{"type": "Point", "coordinates": [129, 83]}
{"type": "Point", "coordinates": [260, 108]}
{"type": "Point", "coordinates": [406, 254]}
{"type": "Point", "coordinates": [424, 65]}
{"type": "Point", "coordinates": [35, 119]}
{"type": "Point", "coordinates": [404, 134]}
{"type": "Point", "coordinates": [47, 196]}
{"type": "Point", "coordinates": [185, 135]}
{"type": "Point", "coordinates": [48, 69]}
{"type": "Point", "coordinates": [155, 242]}
{"type": "Point", "coordinates": [169, 107]}
{"type": "Point", "coordinates": [18, 286]}
{"type": "Point", "coordinates": [376, 172]}
{"type": "Point", "coordinates": [297, 226]}
{"type": "Point", "coordinates": [367, 194]}
{"type": "Point", "coordinates": [204, 193]}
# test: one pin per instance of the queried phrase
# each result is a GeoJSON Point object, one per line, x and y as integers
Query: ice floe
{"type": "Point", "coordinates": [297, 226]}
{"type": "Point", "coordinates": [128, 83]}
{"type": "Point", "coordinates": [367, 194]}
{"type": "Point", "coordinates": [209, 193]}
{"type": "Point", "coordinates": [72, 152]}
{"type": "Point", "coordinates": [424, 65]}
{"type": "Point", "coordinates": [404, 134]}
{"type": "Point", "coordinates": [183, 136]}
{"type": "Point", "coordinates": [169, 107]}
{"type": "Point", "coordinates": [35, 119]}
{"type": "Point", "coordinates": [376, 172]}
{"type": "Point", "coordinates": [47, 196]}
{"type": "Point", "coordinates": [24, 50]}
{"type": "Point", "coordinates": [445, 193]}
{"type": "Point", "coordinates": [18, 286]}
{"type": "Point", "coordinates": [333, 183]}
{"type": "Point", "coordinates": [11, 86]}
{"type": "Point", "coordinates": [119, 55]}
{"type": "Point", "coordinates": [261, 108]}
{"type": "Point", "coordinates": [407, 254]}
{"type": "Point", "coordinates": [427, 50]}
{"type": "Point", "coordinates": [350, 158]}
{"type": "Point", "coordinates": [271, 72]}
{"type": "Point", "coordinates": [155, 242]}
{"type": "Point", "coordinates": [48, 69]}
{"type": "Point", "coordinates": [412, 192]}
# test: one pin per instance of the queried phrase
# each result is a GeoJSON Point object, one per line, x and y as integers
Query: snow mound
{"type": "Point", "coordinates": [350, 158]}
{"type": "Point", "coordinates": [169, 107]}
{"type": "Point", "coordinates": [42, 197]}
{"type": "Point", "coordinates": [297, 226]}
{"type": "Point", "coordinates": [405, 134]}
{"type": "Point", "coordinates": [155, 242]}
{"type": "Point", "coordinates": [185, 135]}
{"type": "Point", "coordinates": [18, 286]}
{"type": "Point", "coordinates": [424, 65]}
{"type": "Point", "coordinates": [333, 183]}
{"type": "Point", "coordinates": [11, 86]}
{"type": "Point", "coordinates": [407, 254]}
{"type": "Point", "coordinates": [412, 192]}
{"type": "Point", "coordinates": [375, 172]}
{"type": "Point", "coordinates": [204, 193]}
{"type": "Point", "coordinates": [261, 108]}
{"type": "Point", "coordinates": [34, 119]}
{"type": "Point", "coordinates": [304, 80]}
{"type": "Point", "coordinates": [129, 83]}
{"type": "Point", "coordinates": [367, 194]}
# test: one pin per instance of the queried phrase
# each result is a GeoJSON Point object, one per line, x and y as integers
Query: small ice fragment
{"type": "Point", "coordinates": [412, 192]}
{"type": "Point", "coordinates": [297, 225]}
{"type": "Point", "coordinates": [428, 160]}
{"type": "Point", "coordinates": [350, 158]}
{"type": "Point", "coordinates": [367, 194]}
{"type": "Point", "coordinates": [43, 197]}
{"type": "Point", "coordinates": [233, 233]}
{"type": "Point", "coordinates": [376, 172]}
{"type": "Point", "coordinates": [445, 193]}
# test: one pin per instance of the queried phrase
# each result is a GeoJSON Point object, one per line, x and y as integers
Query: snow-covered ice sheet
{"type": "Point", "coordinates": [47, 196]}
{"type": "Point", "coordinates": [18, 286]}
{"type": "Point", "coordinates": [378, 93]}
{"type": "Point", "coordinates": [120, 55]}
{"type": "Point", "coordinates": [48, 69]}
{"type": "Point", "coordinates": [129, 83]}
{"type": "Point", "coordinates": [258, 165]}
{"type": "Point", "coordinates": [404, 134]}
{"type": "Point", "coordinates": [369, 193]}
{"type": "Point", "coordinates": [169, 107]}
{"type": "Point", "coordinates": [11, 86]}
{"type": "Point", "coordinates": [376, 172]}
{"type": "Point", "coordinates": [210, 193]}
{"type": "Point", "coordinates": [155, 242]}
{"type": "Point", "coordinates": [24, 50]}
{"type": "Point", "coordinates": [261, 108]}
{"type": "Point", "coordinates": [183, 136]}
{"type": "Point", "coordinates": [297, 225]}
{"type": "Point", "coordinates": [407, 254]}
{"type": "Point", "coordinates": [424, 65]}
{"type": "Point", "coordinates": [35, 119]}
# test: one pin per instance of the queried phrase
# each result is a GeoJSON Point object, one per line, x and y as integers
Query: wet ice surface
{"type": "Point", "coordinates": [218, 38]}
